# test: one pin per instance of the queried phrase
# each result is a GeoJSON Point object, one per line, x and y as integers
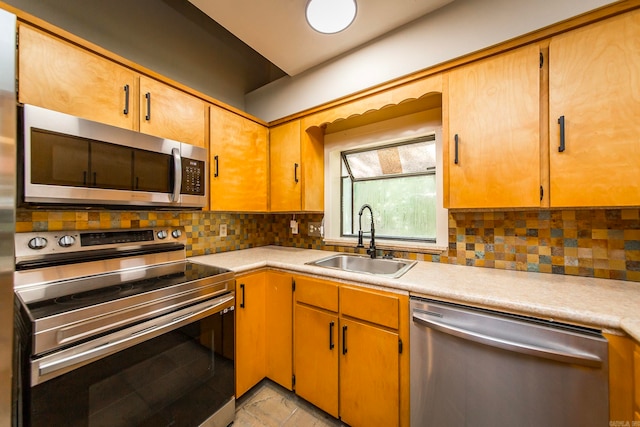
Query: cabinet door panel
{"type": "Point", "coordinates": [286, 186]}
{"type": "Point", "coordinates": [250, 332]}
{"type": "Point", "coordinates": [494, 113]}
{"type": "Point", "coordinates": [369, 376]}
{"type": "Point", "coordinates": [239, 163]}
{"type": "Point", "coordinates": [593, 83]}
{"type": "Point", "coordinates": [315, 360]}
{"type": "Point", "coordinates": [279, 328]}
{"type": "Point", "coordinates": [170, 113]}
{"type": "Point", "coordinates": [62, 77]}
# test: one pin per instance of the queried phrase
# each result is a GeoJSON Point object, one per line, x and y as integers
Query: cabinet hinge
{"type": "Point", "coordinates": [541, 192]}
{"type": "Point", "coordinates": [293, 380]}
{"type": "Point", "coordinates": [293, 284]}
{"type": "Point", "coordinates": [399, 346]}
{"type": "Point", "coordinates": [541, 59]}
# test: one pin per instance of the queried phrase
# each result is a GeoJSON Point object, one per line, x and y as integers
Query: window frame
{"type": "Point", "coordinates": [385, 132]}
{"type": "Point", "coordinates": [431, 171]}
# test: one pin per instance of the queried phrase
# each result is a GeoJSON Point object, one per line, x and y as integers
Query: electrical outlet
{"type": "Point", "coordinates": [315, 229]}
{"type": "Point", "coordinates": [223, 230]}
{"type": "Point", "coordinates": [294, 226]}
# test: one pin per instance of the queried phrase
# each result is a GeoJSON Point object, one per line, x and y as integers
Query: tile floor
{"type": "Point", "coordinates": [268, 404]}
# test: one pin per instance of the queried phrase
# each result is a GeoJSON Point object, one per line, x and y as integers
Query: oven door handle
{"type": "Point", "coordinates": [57, 365]}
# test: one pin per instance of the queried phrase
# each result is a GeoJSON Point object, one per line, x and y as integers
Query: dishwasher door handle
{"type": "Point", "coordinates": [583, 359]}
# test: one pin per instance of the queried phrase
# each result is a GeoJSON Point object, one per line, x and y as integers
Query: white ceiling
{"type": "Point", "coordinates": [278, 30]}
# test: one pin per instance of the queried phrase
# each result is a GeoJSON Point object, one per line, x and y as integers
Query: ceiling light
{"type": "Point", "coordinates": [330, 16]}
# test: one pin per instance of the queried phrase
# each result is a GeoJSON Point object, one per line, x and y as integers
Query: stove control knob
{"type": "Point", "coordinates": [176, 233]}
{"type": "Point", "coordinates": [66, 241]}
{"type": "Point", "coordinates": [38, 243]}
{"type": "Point", "coordinates": [162, 234]}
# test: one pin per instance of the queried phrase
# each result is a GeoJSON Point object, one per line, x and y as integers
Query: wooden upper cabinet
{"type": "Point", "coordinates": [284, 146]}
{"type": "Point", "coordinates": [494, 132]}
{"type": "Point", "coordinates": [239, 162]}
{"type": "Point", "coordinates": [169, 113]}
{"type": "Point", "coordinates": [297, 167]}
{"type": "Point", "coordinates": [63, 77]}
{"type": "Point", "coordinates": [593, 85]}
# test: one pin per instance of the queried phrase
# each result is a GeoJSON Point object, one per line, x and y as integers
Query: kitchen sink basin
{"type": "Point", "coordinates": [392, 268]}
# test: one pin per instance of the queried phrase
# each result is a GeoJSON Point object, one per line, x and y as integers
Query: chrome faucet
{"type": "Point", "coordinates": [372, 245]}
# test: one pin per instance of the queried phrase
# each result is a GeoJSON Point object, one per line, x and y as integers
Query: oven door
{"type": "Point", "coordinates": [173, 370]}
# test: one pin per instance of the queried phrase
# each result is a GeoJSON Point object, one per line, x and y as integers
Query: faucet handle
{"type": "Point", "coordinates": [388, 255]}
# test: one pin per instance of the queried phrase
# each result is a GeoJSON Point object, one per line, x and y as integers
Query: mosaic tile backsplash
{"type": "Point", "coordinates": [601, 243]}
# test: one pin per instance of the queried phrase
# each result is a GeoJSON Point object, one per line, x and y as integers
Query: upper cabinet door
{"type": "Point", "coordinates": [594, 113]}
{"type": "Point", "coordinates": [286, 185]}
{"type": "Point", "coordinates": [239, 163]}
{"type": "Point", "coordinates": [494, 132]}
{"type": "Point", "coordinates": [62, 77]}
{"type": "Point", "coordinates": [170, 113]}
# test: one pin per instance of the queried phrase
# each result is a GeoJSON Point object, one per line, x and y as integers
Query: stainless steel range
{"type": "Point", "coordinates": [118, 328]}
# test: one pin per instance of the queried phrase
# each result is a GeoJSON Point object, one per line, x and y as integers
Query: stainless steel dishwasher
{"type": "Point", "coordinates": [473, 367]}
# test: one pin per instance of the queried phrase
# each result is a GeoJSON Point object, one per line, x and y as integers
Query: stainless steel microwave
{"type": "Point", "coordinates": [69, 160]}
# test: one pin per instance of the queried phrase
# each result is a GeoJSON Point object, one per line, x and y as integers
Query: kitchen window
{"type": "Point", "coordinates": [398, 181]}
{"type": "Point", "coordinates": [395, 166]}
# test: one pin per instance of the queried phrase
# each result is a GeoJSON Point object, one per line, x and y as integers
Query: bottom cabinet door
{"type": "Point", "coordinates": [250, 332]}
{"type": "Point", "coordinates": [316, 357]}
{"type": "Point", "coordinates": [369, 375]}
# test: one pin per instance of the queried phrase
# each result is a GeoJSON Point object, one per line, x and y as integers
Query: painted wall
{"type": "Point", "coordinates": [462, 27]}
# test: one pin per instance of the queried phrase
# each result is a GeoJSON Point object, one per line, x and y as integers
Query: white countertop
{"type": "Point", "coordinates": [610, 305]}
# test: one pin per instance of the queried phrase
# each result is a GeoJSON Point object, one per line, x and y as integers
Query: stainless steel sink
{"type": "Point", "coordinates": [392, 268]}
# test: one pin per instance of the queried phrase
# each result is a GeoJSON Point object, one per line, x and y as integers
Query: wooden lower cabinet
{"type": "Point", "coordinates": [636, 382]}
{"type": "Point", "coordinates": [263, 330]}
{"type": "Point", "coordinates": [316, 357]}
{"type": "Point", "coordinates": [250, 332]}
{"type": "Point", "coordinates": [278, 328]}
{"type": "Point", "coordinates": [624, 379]}
{"type": "Point", "coordinates": [369, 375]}
{"type": "Point", "coordinates": [348, 361]}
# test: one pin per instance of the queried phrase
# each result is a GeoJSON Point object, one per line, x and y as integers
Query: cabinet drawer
{"type": "Point", "coordinates": [370, 306]}
{"type": "Point", "coordinates": [318, 293]}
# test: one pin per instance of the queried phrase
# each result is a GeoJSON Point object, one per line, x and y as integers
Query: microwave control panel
{"type": "Point", "coordinates": [193, 175]}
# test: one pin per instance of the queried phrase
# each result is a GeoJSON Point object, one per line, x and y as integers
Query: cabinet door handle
{"type": "Point", "coordinates": [561, 123]}
{"type": "Point", "coordinates": [455, 160]}
{"type": "Point", "coordinates": [148, 98]}
{"type": "Point", "coordinates": [295, 172]}
{"type": "Point", "coordinates": [344, 339]}
{"type": "Point", "coordinates": [215, 167]}
{"type": "Point", "coordinates": [331, 345]}
{"type": "Point", "coordinates": [126, 100]}
{"type": "Point", "coordinates": [242, 289]}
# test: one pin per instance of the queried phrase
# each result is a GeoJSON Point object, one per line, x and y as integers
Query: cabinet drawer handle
{"type": "Point", "coordinates": [242, 289]}
{"type": "Point", "coordinates": [148, 98]}
{"type": "Point", "coordinates": [295, 172]}
{"type": "Point", "coordinates": [561, 123]}
{"type": "Point", "coordinates": [331, 345]}
{"type": "Point", "coordinates": [215, 167]}
{"type": "Point", "coordinates": [455, 160]}
{"type": "Point", "coordinates": [126, 100]}
{"type": "Point", "coordinates": [344, 339]}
